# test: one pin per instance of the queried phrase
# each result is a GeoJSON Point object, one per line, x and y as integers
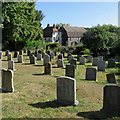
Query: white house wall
{"type": "Point", "coordinates": [71, 41]}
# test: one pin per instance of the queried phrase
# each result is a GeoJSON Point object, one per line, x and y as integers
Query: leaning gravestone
{"type": "Point", "coordinates": [11, 65]}
{"type": "Point", "coordinates": [20, 52]}
{"type": "Point", "coordinates": [111, 78]}
{"type": "Point", "coordinates": [60, 63]}
{"type": "Point", "coordinates": [91, 74]}
{"type": "Point", "coordinates": [47, 68]}
{"type": "Point", "coordinates": [7, 80]}
{"type": "Point", "coordinates": [20, 59]}
{"type": "Point", "coordinates": [66, 91]}
{"type": "Point", "coordinates": [70, 71]}
{"type": "Point", "coordinates": [9, 57]}
{"type": "Point", "coordinates": [73, 62]}
{"type": "Point", "coordinates": [0, 55]}
{"type": "Point", "coordinates": [46, 59]}
{"type": "Point", "coordinates": [95, 61]}
{"type": "Point", "coordinates": [101, 65]}
{"type": "Point", "coordinates": [82, 61]}
{"type": "Point", "coordinates": [111, 62]}
{"type": "Point", "coordinates": [111, 99]}
{"type": "Point", "coordinates": [15, 54]}
{"type": "Point", "coordinates": [32, 59]}
{"type": "Point", "coordinates": [39, 56]}
{"type": "Point", "coordinates": [90, 58]}
{"type": "Point", "coordinates": [7, 52]}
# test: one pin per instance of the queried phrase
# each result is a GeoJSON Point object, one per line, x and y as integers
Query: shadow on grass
{"type": "Point", "coordinates": [39, 74]}
{"type": "Point", "coordinates": [56, 76]}
{"type": "Point", "coordinates": [54, 67]}
{"type": "Point", "coordinates": [49, 104]}
{"type": "Point", "coordinates": [4, 60]}
{"type": "Point", "coordinates": [96, 115]}
{"type": "Point", "coordinates": [26, 64]}
{"type": "Point", "coordinates": [38, 65]}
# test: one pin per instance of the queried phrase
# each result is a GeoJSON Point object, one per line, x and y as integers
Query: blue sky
{"type": "Point", "coordinates": [82, 14]}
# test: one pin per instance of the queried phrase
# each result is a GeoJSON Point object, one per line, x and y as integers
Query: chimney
{"type": "Point", "coordinates": [48, 25]}
{"type": "Point", "coordinates": [53, 25]}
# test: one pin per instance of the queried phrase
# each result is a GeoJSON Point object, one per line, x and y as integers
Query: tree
{"type": "Point", "coordinates": [21, 24]}
{"type": "Point", "coordinates": [62, 24]}
{"type": "Point", "coordinates": [100, 38]}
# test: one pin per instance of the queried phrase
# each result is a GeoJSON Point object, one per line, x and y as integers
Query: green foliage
{"type": "Point", "coordinates": [21, 24]}
{"type": "Point", "coordinates": [100, 38]}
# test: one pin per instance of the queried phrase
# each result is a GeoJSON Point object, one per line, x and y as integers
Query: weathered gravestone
{"type": "Point", "coordinates": [90, 58]}
{"type": "Point", "coordinates": [15, 54]}
{"type": "Point", "coordinates": [20, 52]}
{"type": "Point", "coordinates": [66, 91]}
{"type": "Point", "coordinates": [7, 80]}
{"type": "Point", "coordinates": [32, 59]}
{"type": "Point", "coordinates": [78, 57]}
{"type": "Point", "coordinates": [70, 71]}
{"type": "Point", "coordinates": [91, 74]}
{"type": "Point", "coordinates": [39, 56]}
{"type": "Point", "coordinates": [60, 56]}
{"type": "Point", "coordinates": [28, 53]}
{"type": "Point", "coordinates": [111, 78]}
{"type": "Point", "coordinates": [100, 58]}
{"type": "Point", "coordinates": [111, 62]}
{"type": "Point", "coordinates": [47, 68]}
{"type": "Point", "coordinates": [46, 59]}
{"type": "Point", "coordinates": [70, 58]}
{"type": "Point", "coordinates": [60, 63]}
{"type": "Point", "coordinates": [82, 61]}
{"type": "Point", "coordinates": [9, 57]}
{"type": "Point", "coordinates": [11, 65]}
{"type": "Point", "coordinates": [95, 61]}
{"type": "Point", "coordinates": [73, 62]}
{"type": "Point", "coordinates": [101, 65]}
{"type": "Point", "coordinates": [7, 52]}
{"type": "Point", "coordinates": [0, 55]}
{"type": "Point", "coordinates": [20, 59]}
{"type": "Point", "coordinates": [111, 99]}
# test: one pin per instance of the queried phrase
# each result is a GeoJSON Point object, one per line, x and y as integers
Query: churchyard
{"type": "Point", "coordinates": [38, 85]}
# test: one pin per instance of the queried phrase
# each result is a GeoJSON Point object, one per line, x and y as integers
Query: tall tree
{"type": "Point", "coordinates": [20, 24]}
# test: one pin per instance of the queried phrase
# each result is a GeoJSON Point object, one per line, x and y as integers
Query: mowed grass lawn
{"type": "Point", "coordinates": [35, 93]}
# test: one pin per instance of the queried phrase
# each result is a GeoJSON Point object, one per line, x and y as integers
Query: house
{"type": "Point", "coordinates": [50, 34]}
{"type": "Point", "coordinates": [71, 35]}
{"type": "Point", "coordinates": [66, 35]}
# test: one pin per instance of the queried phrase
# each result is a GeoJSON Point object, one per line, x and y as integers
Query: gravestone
{"type": "Point", "coordinates": [0, 55]}
{"type": "Point", "coordinates": [39, 56]}
{"type": "Point", "coordinates": [36, 52]}
{"type": "Point", "coordinates": [11, 65]}
{"type": "Point", "coordinates": [25, 50]}
{"type": "Point", "coordinates": [70, 71]}
{"type": "Point", "coordinates": [15, 54]}
{"type": "Point", "coordinates": [9, 57]}
{"type": "Point", "coordinates": [100, 58]}
{"type": "Point", "coordinates": [111, 62]}
{"type": "Point", "coordinates": [82, 61]}
{"type": "Point", "coordinates": [101, 65]}
{"type": "Point", "coordinates": [66, 91]}
{"type": "Point", "coordinates": [60, 56]}
{"type": "Point", "coordinates": [73, 62]}
{"type": "Point", "coordinates": [7, 52]}
{"type": "Point", "coordinates": [90, 58]}
{"type": "Point", "coordinates": [20, 52]}
{"type": "Point", "coordinates": [111, 78]}
{"type": "Point", "coordinates": [78, 57]}
{"type": "Point", "coordinates": [95, 61]}
{"type": "Point", "coordinates": [28, 53]}
{"type": "Point", "coordinates": [20, 59]}
{"type": "Point", "coordinates": [7, 80]}
{"type": "Point", "coordinates": [46, 59]}
{"type": "Point", "coordinates": [111, 99]}
{"type": "Point", "coordinates": [60, 63]}
{"type": "Point", "coordinates": [70, 58]}
{"type": "Point", "coordinates": [43, 54]}
{"type": "Point", "coordinates": [47, 68]}
{"type": "Point", "coordinates": [91, 74]}
{"type": "Point", "coordinates": [32, 59]}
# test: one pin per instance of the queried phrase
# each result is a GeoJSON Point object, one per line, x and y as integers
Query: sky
{"type": "Point", "coordinates": [81, 14]}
